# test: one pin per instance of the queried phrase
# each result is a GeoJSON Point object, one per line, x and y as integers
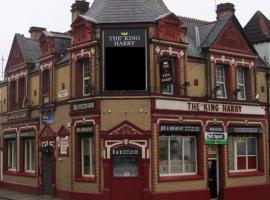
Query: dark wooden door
{"type": "Point", "coordinates": [212, 178]}
{"type": "Point", "coordinates": [47, 173]}
{"type": "Point", "coordinates": [126, 178]}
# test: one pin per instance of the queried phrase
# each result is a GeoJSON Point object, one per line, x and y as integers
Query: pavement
{"type": "Point", "coordinates": [12, 195]}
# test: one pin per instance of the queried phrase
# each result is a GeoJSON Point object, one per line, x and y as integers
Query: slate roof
{"type": "Point", "coordinates": [30, 48]}
{"type": "Point", "coordinates": [126, 11]}
{"type": "Point", "coordinates": [258, 28]}
{"type": "Point", "coordinates": [62, 40]}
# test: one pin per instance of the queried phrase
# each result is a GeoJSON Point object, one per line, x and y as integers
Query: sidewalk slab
{"type": "Point", "coordinates": [13, 195]}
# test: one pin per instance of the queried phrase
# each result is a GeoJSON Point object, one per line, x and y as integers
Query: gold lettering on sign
{"type": "Point", "coordinates": [214, 107]}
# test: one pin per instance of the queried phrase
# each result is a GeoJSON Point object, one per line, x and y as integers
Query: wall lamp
{"type": "Point", "coordinates": [184, 86]}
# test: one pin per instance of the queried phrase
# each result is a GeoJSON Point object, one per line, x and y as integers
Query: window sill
{"type": "Point", "coordinates": [10, 172]}
{"type": "Point", "coordinates": [245, 174]}
{"type": "Point", "coordinates": [85, 179]}
{"type": "Point", "coordinates": [180, 178]}
{"type": "Point", "coordinates": [15, 173]}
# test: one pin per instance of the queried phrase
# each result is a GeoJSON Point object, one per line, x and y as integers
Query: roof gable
{"type": "Point", "coordinates": [232, 38]}
{"type": "Point", "coordinates": [258, 28]}
{"type": "Point", "coordinates": [16, 57]}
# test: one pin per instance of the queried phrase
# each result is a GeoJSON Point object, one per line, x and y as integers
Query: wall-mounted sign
{"type": "Point", "coordinates": [166, 75]}
{"type": "Point", "coordinates": [124, 38]}
{"type": "Point", "coordinates": [83, 106]}
{"type": "Point", "coordinates": [190, 106]}
{"type": "Point", "coordinates": [64, 144]}
{"type": "Point", "coordinates": [47, 118]}
{"type": "Point", "coordinates": [239, 129]}
{"type": "Point", "coordinates": [62, 93]}
{"type": "Point", "coordinates": [216, 135]}
{"type": "Point", "coordinates": [179, 128]}
{"type": "Point", "coordinates": [84, 129]}
{"type": "Point", "coordinates": [125, 152]}
{"type": "Point", "coordinates": [17, 115]}
{"type": "Point", "coordinates": [28, 134]}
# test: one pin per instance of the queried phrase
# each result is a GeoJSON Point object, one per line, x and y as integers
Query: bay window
{"type": "Point", "coordinates": [243, 154]}
{"type": "Point", "coordinates": [241, 93]}
{"type": "Point", "coordinates": [220, 82]}
{"type": "Point", "coordinates": [177, 155]}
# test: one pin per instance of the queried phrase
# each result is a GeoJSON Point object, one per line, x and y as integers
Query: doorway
{"type": "Point", "coordinates": [126, 174]}
{"type": "Point", "coordinates": [47, 173]}
{"type": "Point", "coordinates": [213, 171]}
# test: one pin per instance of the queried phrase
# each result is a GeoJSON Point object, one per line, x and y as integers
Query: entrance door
{"type": "Point", "coordinates": [126, 175]}
{"type": "Point", "coordinates": [212, 178]}
{"type": "Point", "coordinates": [47, 173]}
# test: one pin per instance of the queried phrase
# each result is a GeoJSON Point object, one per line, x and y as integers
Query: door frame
{"type": "Point", "coordinates": [217, 172]}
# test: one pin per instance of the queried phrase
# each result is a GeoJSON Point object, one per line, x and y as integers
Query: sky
{"type": "Point", "coordinates": [17, 16]}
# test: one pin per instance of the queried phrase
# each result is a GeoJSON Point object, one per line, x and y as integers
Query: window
{"type": "Point", "coordinates": [12, 155]}
{"type": "Point", "coordinates": [21, 92]}
{"type": "Point", "coordinates": [87, 160]}
{"type": "Point", "coordinates": [29, 155]}
{"type": "Point", "coordinates": [13, 95]}
{"type": "Point", "coordinates": [177, 155]}
{"type": "Point", "coordinates": [220, 82]}
{"type": "Point", "coordinates": [46, 86]}
{"type": "Point", "coordinates": [241, 93]}
{"type": "Point", "coordinates": [166, 76]}
{"type": "Point", "coordinates": [86, 77]}
{"type": "Point", "coordinates": [243, 154]}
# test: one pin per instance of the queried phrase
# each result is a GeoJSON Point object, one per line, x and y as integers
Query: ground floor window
{"type": "Point", "coordinates": [12, 154]}
{"type": "Point", "coordinates": [177, 155]}
{"type": "Point", "coordinates": [29, 155]}
{"type": "Point", "coordinates": [87, 156]}
{"type": "Point", "coordinates": [243, 154]}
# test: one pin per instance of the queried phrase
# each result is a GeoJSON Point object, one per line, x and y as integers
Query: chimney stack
{"type": "Point", "coordinates": [79, 8]}
{"type": "Point", "coordinates": [224, 9]}
{"type": "Point", "coordinates": [35, 32]}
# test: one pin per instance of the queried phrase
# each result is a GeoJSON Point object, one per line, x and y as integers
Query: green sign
{"type": "Point", "coordinates": [216, 138]}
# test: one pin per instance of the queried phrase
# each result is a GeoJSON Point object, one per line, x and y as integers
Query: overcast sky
{"type": "Point", "coordinates": [16, 16]}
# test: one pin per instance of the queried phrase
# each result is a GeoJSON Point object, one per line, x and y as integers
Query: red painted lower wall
{"type": "Point", "coordinates": [28, 189]}
{"type": "Point", "coordinates": [75, 195]}
{"type": "Point", "coordinates": [182, 195]}
{"type": "Point", "coordinates": [247, 192]}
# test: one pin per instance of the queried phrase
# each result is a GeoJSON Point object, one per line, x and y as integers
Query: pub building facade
{"type": "Point", "coordinates": [135, 103]}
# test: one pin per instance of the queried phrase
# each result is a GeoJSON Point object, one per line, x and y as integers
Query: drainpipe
{"type": "Point", "coordinates": [268, 114]}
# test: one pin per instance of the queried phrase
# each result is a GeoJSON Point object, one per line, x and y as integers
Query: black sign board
{"type": "Point", "coordinates": [166, 75]}
{"type": "Point", "coordinates": [216, 129]}
{"type": "Point", "coordinates": [179, 128]}
{"type": "Point", "coordinates": [84, 129]}
{"type": "Point", "coordinates": [124, 38]}
{"type": "Point", "coordinates": [125, 152]}
{"type": "Point", "coordinates": [28, 134]}
{"type": "Point", "coordinates": [240, 129]}
{"type": "Point", "coordinates": [83, 106]}
{"type": "Point", "coordinates": [10, 136]}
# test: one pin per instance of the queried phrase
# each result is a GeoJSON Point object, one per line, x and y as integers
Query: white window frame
{"type": "Point", "coordinates": [91, 174]}
{"type": "Point", "coordinates": [221, 83]}
{"type": "Point", "coordinates": [31, 143]}
{"type": "Point", "coordinates": [85, 78]}
{"type": "Point", "coordinates": [12, 155]}
{"type": "Point", "coordinates": [240, 85]}
{"type": "Point", "coordinates": [183, 153]}
{"type": "Point", "coordinates": [247, 155]}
